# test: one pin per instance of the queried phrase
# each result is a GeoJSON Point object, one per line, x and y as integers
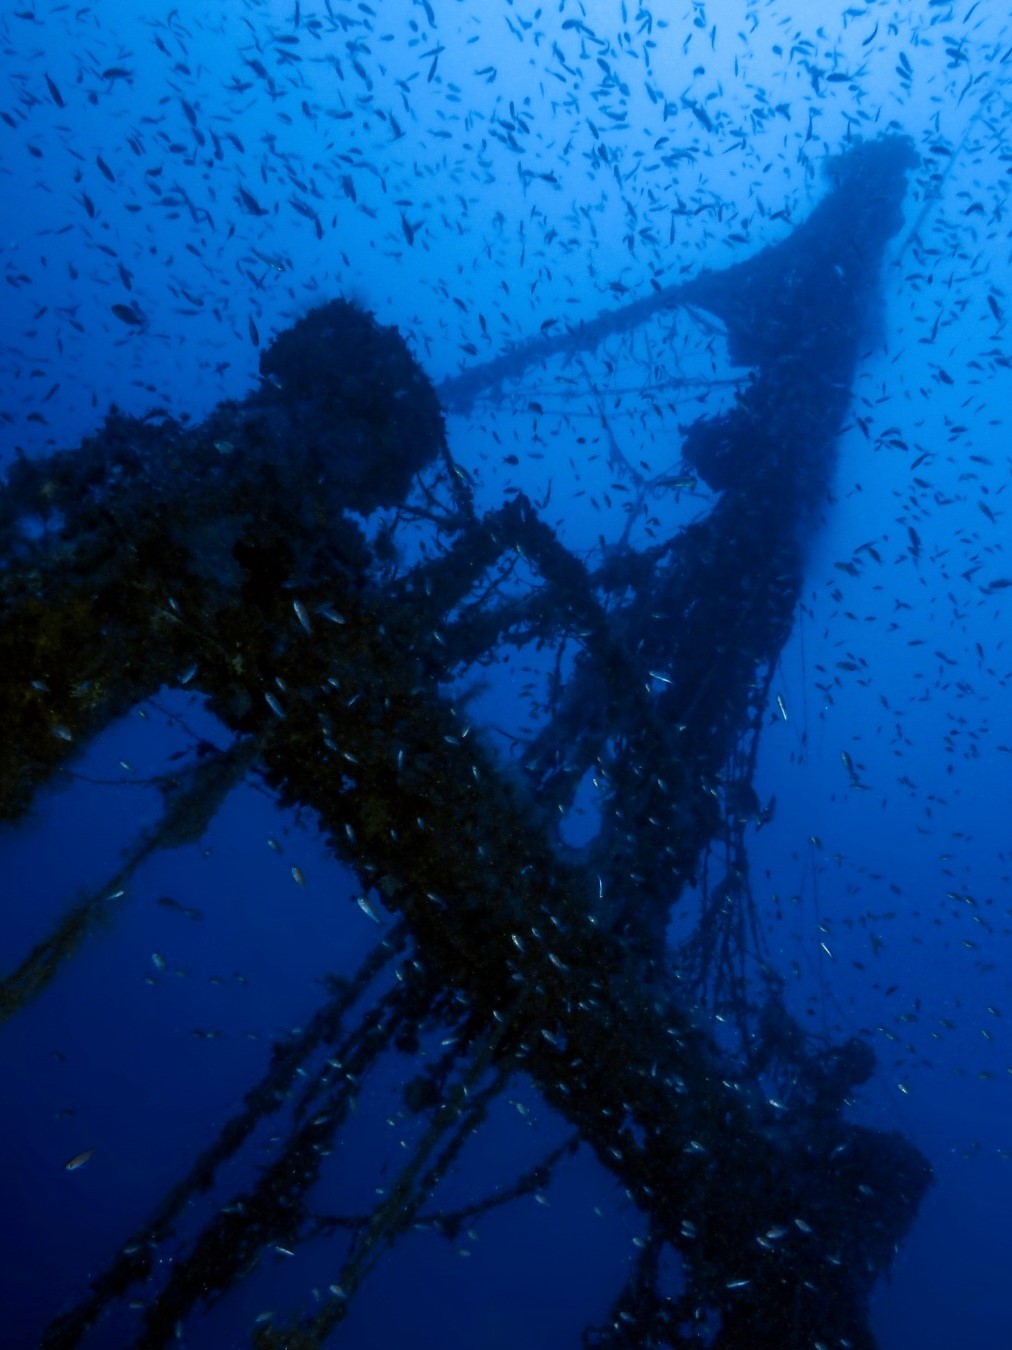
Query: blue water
{"type": "Point", "coordinates": [180, 185]}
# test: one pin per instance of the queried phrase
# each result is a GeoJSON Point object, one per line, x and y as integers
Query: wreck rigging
{"type": "Point", "coordinates": [223, 558]}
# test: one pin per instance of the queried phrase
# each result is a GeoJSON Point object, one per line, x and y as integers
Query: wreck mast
{"type": "Point", "coordinates": [223, 559]}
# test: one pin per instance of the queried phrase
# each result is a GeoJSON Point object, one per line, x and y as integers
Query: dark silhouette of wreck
{"type": "Point", "coordinates": [223, 557]}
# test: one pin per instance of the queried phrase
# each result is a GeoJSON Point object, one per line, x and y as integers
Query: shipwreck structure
{"type": "Point", "coordinates": [226, 558]}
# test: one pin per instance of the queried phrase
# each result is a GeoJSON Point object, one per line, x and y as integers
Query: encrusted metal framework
{"type": "Point", "coordinates": [222, 557]}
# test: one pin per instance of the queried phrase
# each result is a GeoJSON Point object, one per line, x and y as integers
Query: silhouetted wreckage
{"type": "Point", "coordinates": [222, 558]}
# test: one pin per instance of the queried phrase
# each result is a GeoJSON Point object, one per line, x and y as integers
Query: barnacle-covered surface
{"type": "Point", "coordinates": [224, 558]}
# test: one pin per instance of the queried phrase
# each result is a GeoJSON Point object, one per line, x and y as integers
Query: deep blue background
{"type": "Point", "coordinates": [476, 175]}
